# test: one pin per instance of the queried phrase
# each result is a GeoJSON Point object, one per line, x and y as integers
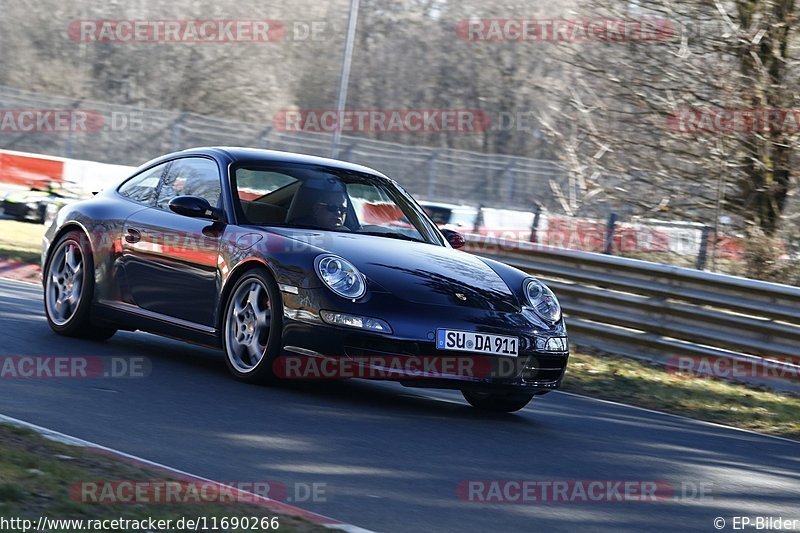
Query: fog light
{"type": "Point", "coordinates": [355, 321]}
{"type": "Point", "coordinates": [552, 344]}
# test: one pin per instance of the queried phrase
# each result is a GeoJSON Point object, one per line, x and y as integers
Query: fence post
{"type": "Point", "coordinates": [504, 189]}
{"type": "Point", "coordinates": [478, 223]}
{"type": "Point", "coordinates": [264, 137]}
{"type": "Point", "coordinates": [69, 144]}
{"type": "Point", "coordinates": [702, 255]}
{"type": "Point", "coordinates": [612, 222]}
{"type": "Point", "coordinates": [344, 155]}
{"type": "Point", "coordinates": [70, 138]}
{"type": "Point", "coordinates": [535, 226]}
{"type": "Point", "coordinates": [508, 176]}
{"type": "Point", "coordinates": [430, 165]}
{"type": "Point", "coordinates": [175, 134]}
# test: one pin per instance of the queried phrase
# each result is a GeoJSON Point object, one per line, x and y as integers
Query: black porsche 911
{"type": "Point", "coordinates": [288, 261]}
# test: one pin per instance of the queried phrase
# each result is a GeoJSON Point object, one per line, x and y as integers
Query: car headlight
{"type": "Point", "coordinates": [542, 300]}
{"type": "Point", "coordinates": [341, 276]}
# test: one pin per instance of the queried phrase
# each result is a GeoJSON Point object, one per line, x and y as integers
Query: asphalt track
{"type": "Point", "coordinates": [391, 458]}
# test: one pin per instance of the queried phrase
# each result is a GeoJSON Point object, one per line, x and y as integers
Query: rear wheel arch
{"type": "Point", "coordinates": [79, 323]}
{"type": "Point", "coordinates": [66, 228]}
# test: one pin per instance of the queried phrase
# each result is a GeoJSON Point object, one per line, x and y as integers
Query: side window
{"type": "Point", "coordinates": [191, 177]}
{"type": "Point", "coordinates": [255, 185]}
{"type": "Point", "coordinates": [142, 188]}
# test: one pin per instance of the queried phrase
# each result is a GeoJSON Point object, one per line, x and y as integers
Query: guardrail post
{"type": "Point", "coordinates": [702, 255]}
{"type": "Point", "coordinates": [609, 244]}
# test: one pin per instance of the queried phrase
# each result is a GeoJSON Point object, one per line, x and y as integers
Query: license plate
{"type": "Point", "coordinates": [470, 341]}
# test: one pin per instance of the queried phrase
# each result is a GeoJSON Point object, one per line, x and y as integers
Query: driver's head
{"type": "Point", "coordinates": [330, 210]}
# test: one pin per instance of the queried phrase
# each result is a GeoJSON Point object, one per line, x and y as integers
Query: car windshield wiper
{"type": "Point", "coordinates": [400, 236]}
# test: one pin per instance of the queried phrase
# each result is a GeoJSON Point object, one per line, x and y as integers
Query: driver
{"type": "Point", "coordinates": [328, 211]}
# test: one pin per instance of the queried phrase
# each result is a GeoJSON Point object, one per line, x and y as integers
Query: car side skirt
{"type": "Point", "coordinates": [134, 318]}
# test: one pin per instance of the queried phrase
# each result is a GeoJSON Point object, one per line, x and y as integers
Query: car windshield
{"type": "Point", "coordinates": [330, 199]}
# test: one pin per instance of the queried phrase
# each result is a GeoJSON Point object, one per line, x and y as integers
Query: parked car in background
{"type": "Point", "coordinates": [33, 205]}
{"type": "Point", "coordinates": [507, 224]}
{"type": "Point", "coordinates": [452, 216]}
{"type": "Point", "coordinates": [486, 221]}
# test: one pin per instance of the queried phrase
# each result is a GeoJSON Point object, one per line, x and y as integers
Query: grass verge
{"type": "Point", "coordinates": [21, 241]}
{"type": "Point", "coordinates": [36, 475]}
{"type": "Point", "coordinates": [714, 400]}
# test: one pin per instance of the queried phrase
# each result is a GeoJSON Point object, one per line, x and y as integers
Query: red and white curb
{"type": "Point", "coordinates": [271, 505]}
{"type": "Point", "coordinates": [25, 272]}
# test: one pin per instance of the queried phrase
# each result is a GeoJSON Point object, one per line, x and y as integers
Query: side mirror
{"type": "Point", "coordinates": [195, 207]}
{"type": "Point", "coordinates": [455, 239]}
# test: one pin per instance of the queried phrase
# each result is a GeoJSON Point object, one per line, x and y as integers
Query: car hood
{"type": "Point", "coordinates": [416, 272]}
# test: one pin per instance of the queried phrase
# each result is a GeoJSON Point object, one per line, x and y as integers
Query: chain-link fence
{"type": "Point", "coordinates": [131, 135]}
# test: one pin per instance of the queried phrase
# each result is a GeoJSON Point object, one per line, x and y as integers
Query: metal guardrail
{"type": "Point", "coordinates": [685, 319]}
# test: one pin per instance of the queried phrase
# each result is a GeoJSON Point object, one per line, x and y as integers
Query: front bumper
{"type": "Point", "coordinates": [409, 355]}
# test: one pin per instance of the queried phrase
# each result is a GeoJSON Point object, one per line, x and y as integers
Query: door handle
{"type": "Point", "coordinates": [133, 236]}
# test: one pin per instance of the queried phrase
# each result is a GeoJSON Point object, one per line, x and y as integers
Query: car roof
{"type": "Point", "coordinates": [276, 156]}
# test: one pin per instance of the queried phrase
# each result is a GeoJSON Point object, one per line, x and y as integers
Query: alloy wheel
{"type": "Point", "coordinates": [65, 282]}
{"type": "Point", "coordinates": [248, 325]}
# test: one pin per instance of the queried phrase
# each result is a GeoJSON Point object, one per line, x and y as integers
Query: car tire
{"type": "Point", "coordinates": [252, 327]}
{"type": "Point", "coordinates": [497, 402]}
{"type": "Point", "coordinates": [70, 269]}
